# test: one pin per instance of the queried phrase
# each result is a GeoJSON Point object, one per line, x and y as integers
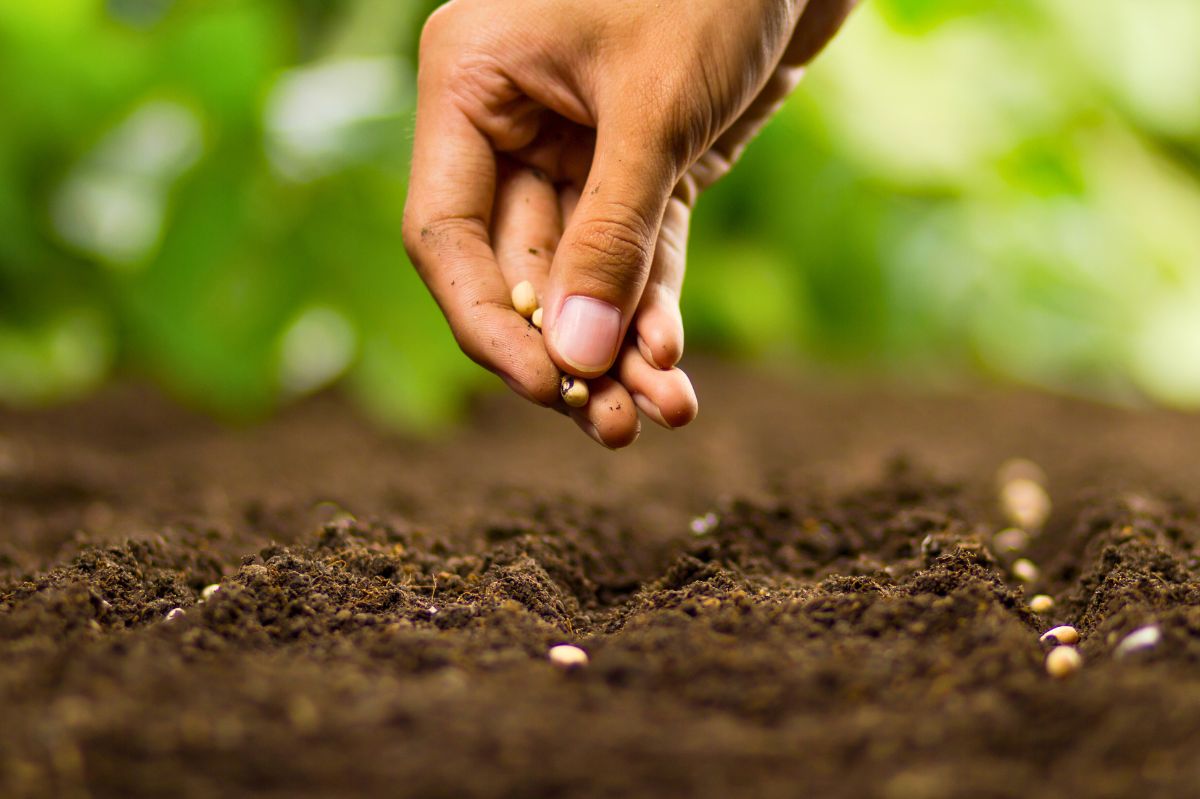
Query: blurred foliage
{"type": "Point", "coordinates": [209, 192]}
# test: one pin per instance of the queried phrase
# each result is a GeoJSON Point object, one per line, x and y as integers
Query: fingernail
{"type": "Point", "coordinates": [644, 349]}
{"type": "Point", "coordinates": [586, 332]}
{"type": "Point", "coordinates": [593, 432]}
{"type": "Point", "coordinates": [650, 409]}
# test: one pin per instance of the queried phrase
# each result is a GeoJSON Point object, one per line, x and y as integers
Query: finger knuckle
{"type": "Point", "coordinates": [617, 249]}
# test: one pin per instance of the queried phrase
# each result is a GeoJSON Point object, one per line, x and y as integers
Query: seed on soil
{"type": "Point", "coordinates": [1041, 603]}
{"type": "Point", "coordinates": [1026, 570]}
{"type": "Point", "coordinates": [566, 656]}
{"type": "Point", "coordinates": [1020, 469]}
{"type": "Point", "coordinates": [1063, 661]}
{"type": "Point", "coordinates": [1025, 503]}
{"type": "Point", "coordinates": [574, 391]}
{"type": "Point", "coordinates": [1139, 640]}
{"type": "Point", "coordinates": [536, 318]}
{"type": "Point", "coordinates": [1010, 540]}
{"type": "Point", "coordinates": [174, 613]}
{"type": "Point", "coordinates": [701, 525]}
{"type": "Point", "coordinates": [209, 590]}
{"type": "Point", "coordinates": [524, 298]}
{"type": "Point", "coordinates": [1065, 635]}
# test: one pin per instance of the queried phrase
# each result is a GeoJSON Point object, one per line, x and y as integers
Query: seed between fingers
{"type": "Point", "coordinates": [524, 298]}
{"type": "Point", "coordinates": [574, 391]}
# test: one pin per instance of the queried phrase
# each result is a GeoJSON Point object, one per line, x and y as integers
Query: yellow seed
{"type": "Point", "coordinates": [1061, 635]}
{"type": "Point", "coordinates": [524, 298]}
{"type": "Point", "coordinates": [566, 656]}
{"type": "Point", "coordinates": [1020, 469]}
{"type": "Point", "coordinates": [1042, 603]}
{"type": "Point", "coordinates": [574, 391]}
{"type": "Point", "coordinates": [536, 318]}
{"type": "Point", "coordinates": [1026, 570]}
{"type": "Point", "coordinates": [209, 591]}
{"type": "Point", "coordinates": [1063, 661]}
{"type": "Point", "coordinates": [1025, 503]}
{"type": "Point", "coordinates": [1010, 540]}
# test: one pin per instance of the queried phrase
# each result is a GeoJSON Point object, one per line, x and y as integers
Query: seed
{"type": "Point", "coordinates": [704, 524]}
{"type": "Point", "coordinates": [524, 298]}
{"type": "Point", "coordinates": [574, 391]}
{"type": "Point", "coordinates": [1139, 640]}
{"type": "Point", "coordinates": [1041, 603]}
{"type": "Point", "coordinates": [174, 613]}
{"type": "Point", "coordinates": [1063, 661]}
{"type": "Point", "coordinates": [1020, 469]}
{"type": "Point", "coordinates": [1025, 570]}
{"type": "Point", "coordinates": [1025, 503]}
{"type": "Point", "coordinates": [568, 657]}
{"type": "Point", "coordinates": [209, 590]}
{"type": "Point", "coordinates": [536, 318]}
{"type": "Point", "coordinates": [1061, 635]}
{"type": "Point", "coordinates": [1010, 540]}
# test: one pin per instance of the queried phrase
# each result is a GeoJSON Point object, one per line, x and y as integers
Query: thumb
{"type": "Point", "coordinates": [604, 256]}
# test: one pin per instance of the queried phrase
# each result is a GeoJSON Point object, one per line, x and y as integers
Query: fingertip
{"type": "Point", "coordinates": [665, 396]}
{"type": "Point", "coordinates": [610, 417]}
{"type": "Point", "coordinates": [675, 405]}
{"type": "Point", "coordinates": [659, 335]}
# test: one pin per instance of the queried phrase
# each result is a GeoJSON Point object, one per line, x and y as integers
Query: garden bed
{"type": "Point", "coordinates": [800, 595]}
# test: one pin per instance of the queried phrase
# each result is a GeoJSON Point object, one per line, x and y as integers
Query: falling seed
{"type": "Point", "coordinates": [1010, 540]}
{"type": "Point", "coordinates": [524, 298]}
{"type": "Point", "coordinates": [1065, 635]}
{"type": "Point", "coordinates": [1041, 604]}
{"type": "Point", "coordinates": [566, 656]}
{"type": "Point", "coordinates": [174, 613]}
{"type": "Point", "coordinates": [209, 590]}
{"type": "Point", "coordinates": [1063, 661]}
{"type": "Point", "coordinates": [1025, 570]}
{"type": "Point", "coordinates": [1139, 640]}
{"type": "Point", "coordinates": [536, 318]}
{"type": "Point", "coordinates": [1025, 503]}
{"type": "Point", "coordinates": [574, 391]}
{"type": "Point", "coordinates": [930, 547]}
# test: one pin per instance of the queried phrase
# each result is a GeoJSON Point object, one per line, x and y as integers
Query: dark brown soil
{"type": "Point", "coordinates": [842, 630]}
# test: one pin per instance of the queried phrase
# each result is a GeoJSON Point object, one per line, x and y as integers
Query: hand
{"type": "Point", "coordinates": [565, 142]}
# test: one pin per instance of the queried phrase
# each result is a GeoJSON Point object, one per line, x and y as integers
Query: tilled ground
{"type": "Point", "coordinates": [799, 596]}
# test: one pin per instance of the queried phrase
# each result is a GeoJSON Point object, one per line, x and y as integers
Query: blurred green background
{"type": "Point", "coordinates": [208, 193]}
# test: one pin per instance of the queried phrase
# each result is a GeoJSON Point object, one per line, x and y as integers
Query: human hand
{"type": "Point", "coordinates": [565, 142]}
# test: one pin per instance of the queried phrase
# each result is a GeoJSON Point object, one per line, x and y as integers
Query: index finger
{"type": "Point", "coordinates": [446, 221]}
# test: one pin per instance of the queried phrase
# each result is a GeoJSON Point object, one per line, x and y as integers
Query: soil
{"type": "Point", "coordinates": [797, 596]}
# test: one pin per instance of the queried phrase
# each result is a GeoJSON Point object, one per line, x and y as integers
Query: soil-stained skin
{"type": "Point", "coordinates": [835, 622]}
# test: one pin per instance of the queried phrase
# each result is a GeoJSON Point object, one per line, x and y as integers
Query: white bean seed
{"type": "Point", "coordinates": [1010, 540]}
{"type": "Point", "coordinates": [209, 590]}
{"type": "Point", "coordinates": [524, 298]}
{"type": "Point", "coordinates": [1020, 469]}
{"type": "Point", "coordinates": [1025, 503]}
{"type": "Point", "coordinates": [574, 391]}
{"type": "Point", "coordinates": [1026, 570]}
{"type": "Point", "coordinates": [174, 613]}
{"type": "Point", "coordinates": [1139, 640]}
{"type": "Point", "coordinates": [1063, 661]}
{"type": "Point", "coordinates": [1041, 603]}
{"type": "Point", "coordinates": [1065, 634]}
{"type": "Point", "coordinates": [566, 656]}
